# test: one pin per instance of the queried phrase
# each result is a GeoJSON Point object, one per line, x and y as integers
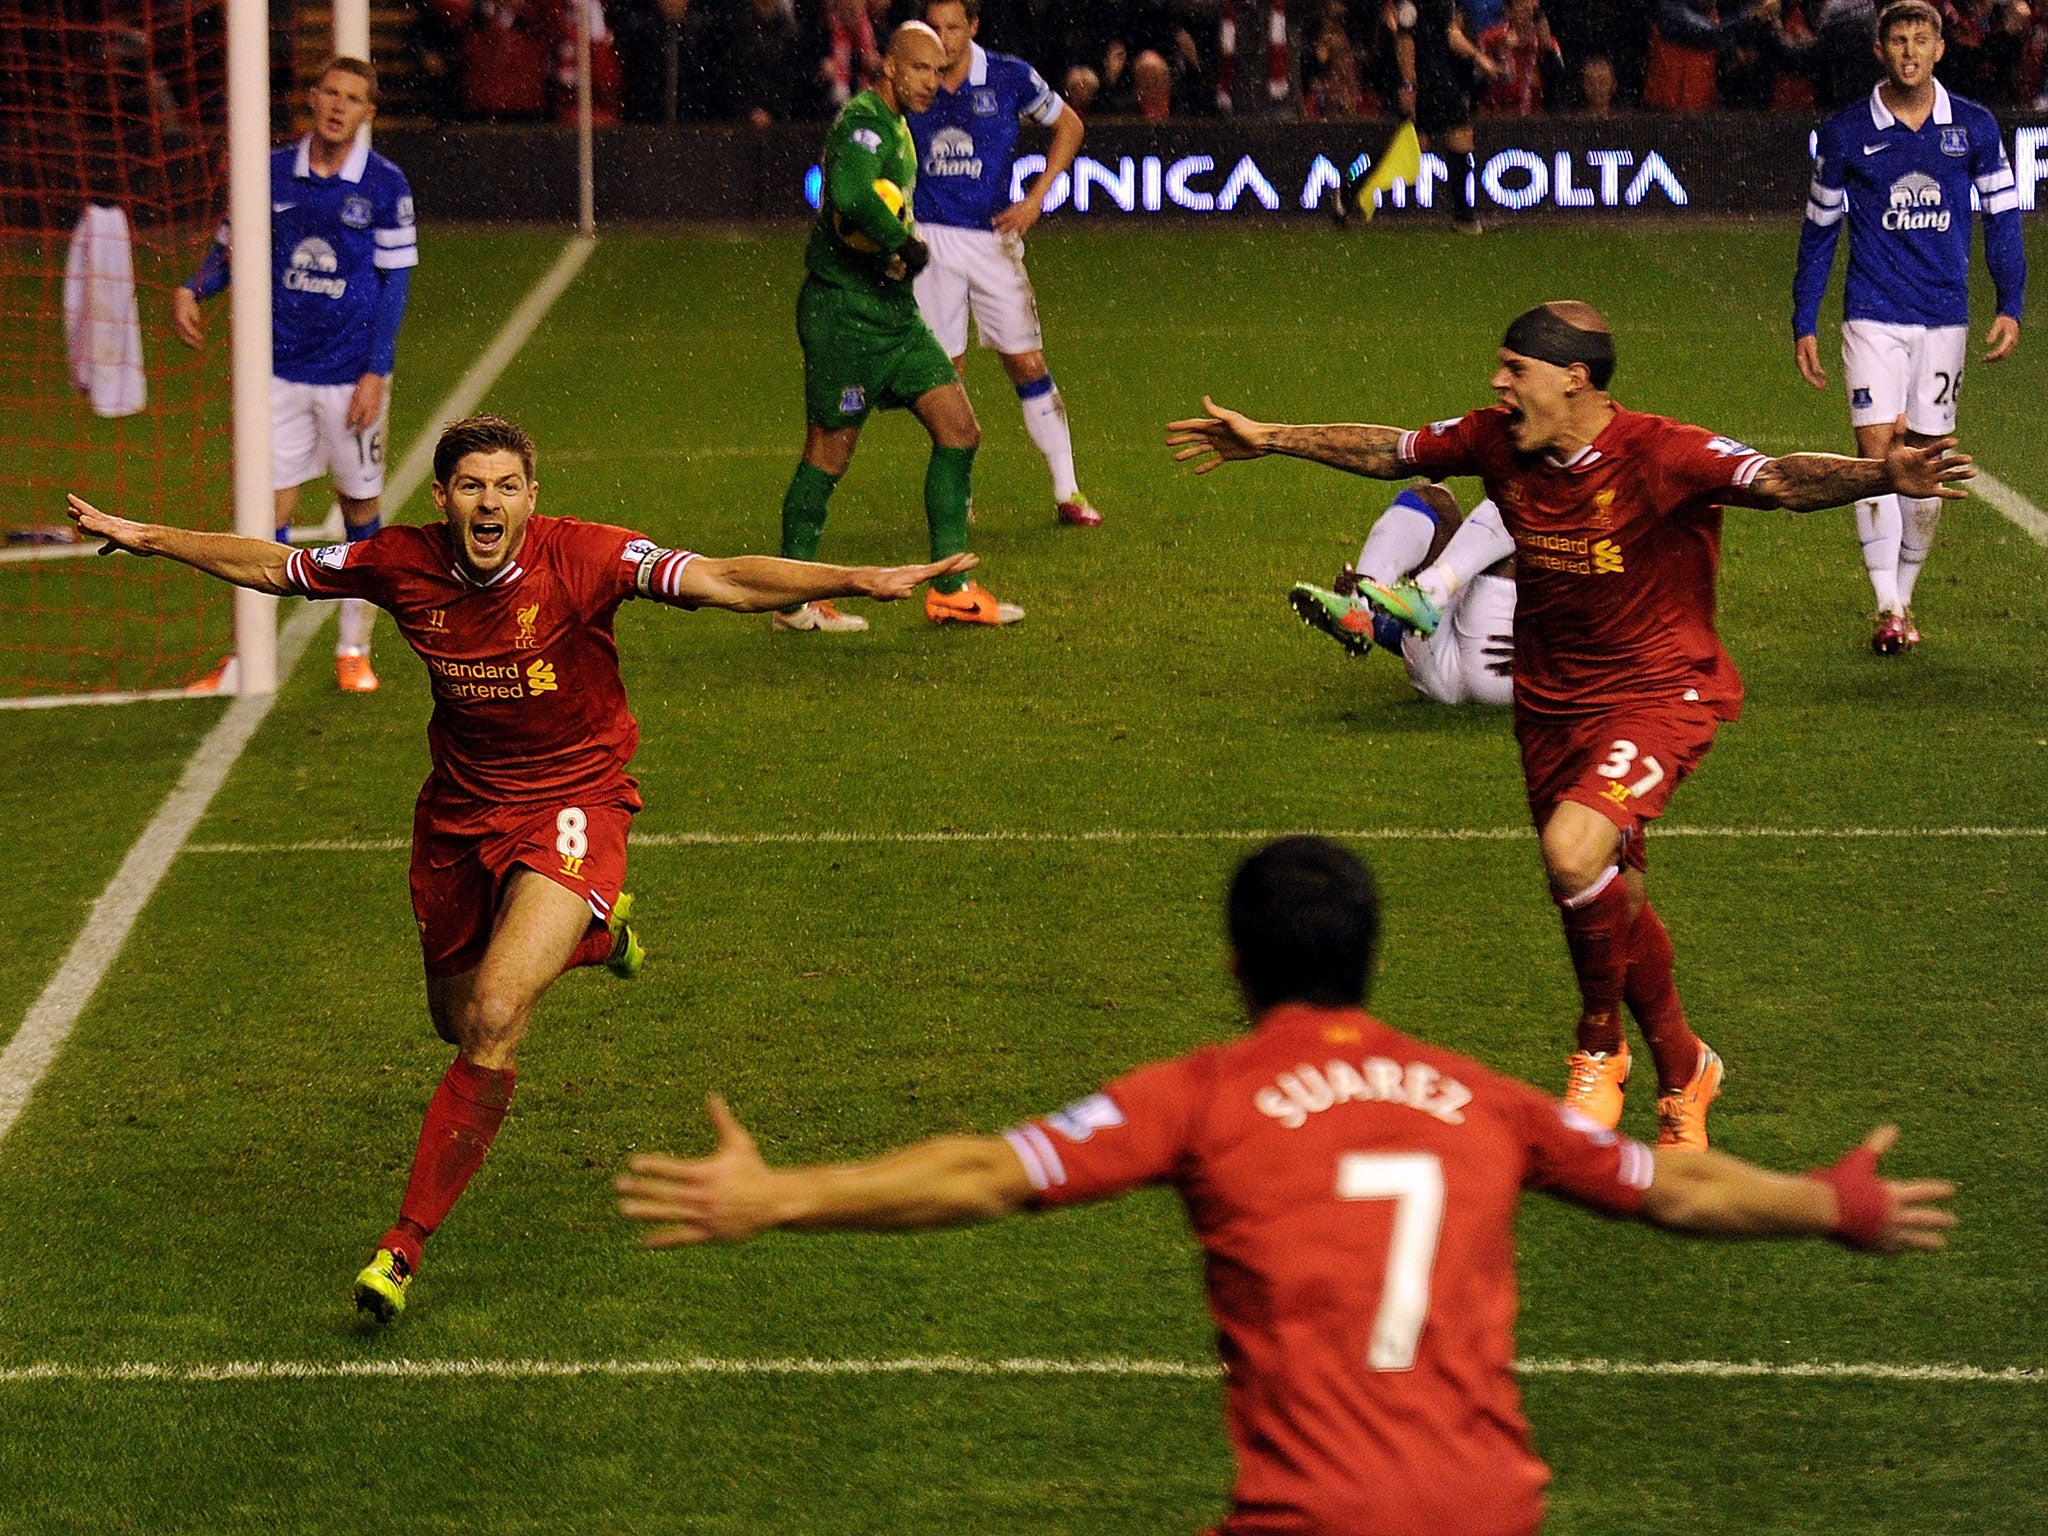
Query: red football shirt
{"type": "Point", "coordinates": [1354, 1192]}
{"type": "Point", "coordinates": [528, 702]}
{"type": "Point", "coordinates": [1616, 554]}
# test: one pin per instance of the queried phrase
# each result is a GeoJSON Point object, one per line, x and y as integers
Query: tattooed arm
{"type": "Point", "coordinates": [1806, 482]}
{"type": "Point", "coordinates": [1224, 435]}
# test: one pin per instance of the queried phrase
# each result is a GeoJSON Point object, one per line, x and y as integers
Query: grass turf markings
{"type": "Point", "coordinates": [403, 1369]}
{"type": "Point", "coordinates": [1120, 835]}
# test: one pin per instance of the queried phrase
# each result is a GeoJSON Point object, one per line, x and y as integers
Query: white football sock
{"type": "Point", "coordinates": [1918, 518]}
{"type": "Point", "coordinates": [1877, 525]}
{"type": "Point", "coordinates": [1396, 544]}
{"type": "Point", "coordinates": [1480, 542]}
{"type": "Point", "coordinates": [356, 618]}
{"type": "Point", "coordinates": [1045, 418]}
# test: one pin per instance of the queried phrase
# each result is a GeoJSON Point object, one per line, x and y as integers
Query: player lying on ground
{"type": "Point", "coordinates": [865, 345]}
{"type": "Point", "coordinates": [1437, 589]}
{"type": "Point", "coordinates": [1354, 1190]}
{"type": "Point", "coordinates": [1620, 678]}
{"type": "Point", "coordinates": [519, 836]}
{"type": "Point", "coordinates": [342, 250]}
{"type": "Point", "coordinates": [1900, 168]}
{"type": "Point", "coordinates": [966, 148]}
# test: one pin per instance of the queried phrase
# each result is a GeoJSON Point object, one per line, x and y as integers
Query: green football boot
{"type": "Point", "coordinates": [1404, 603]}
{"type": "Point", "coordinates": [627, 953]}
{"type": "Point", "coordinates": [381, 1287]}
{"type": "Point", "coordinates": [1344, 619]}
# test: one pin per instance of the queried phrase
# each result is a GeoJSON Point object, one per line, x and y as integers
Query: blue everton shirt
{"type": "Point", "coordinates": [1906, 195]}
{"type": "Point", "coordinates": [341, 250]}
{"type": "Point", "coordinates": [967, 142]}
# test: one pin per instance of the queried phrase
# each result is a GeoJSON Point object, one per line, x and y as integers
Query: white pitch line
{"type": "Point", "coordinates": [238, 1371]}
{"type": "Point", "coordinates": [2031, 519]}
{"type": "Point", "coordinates": [830, 838]}
{"type": "Point", "coordinates": [50, 1019]}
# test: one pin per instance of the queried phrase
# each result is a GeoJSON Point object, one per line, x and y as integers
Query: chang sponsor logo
{"type": "Point", "coordinates": [1915, 203]}
{"type": "Point", "coordinates": [952, 154]}
{"type": "Point", "coordinates": [312, 264]}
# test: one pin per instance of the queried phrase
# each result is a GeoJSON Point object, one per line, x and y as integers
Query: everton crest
{"type": "Point", "coordinates": [355, 212]}
{"type": "Point", "coordinates": [983, 101]}
{"type": "Point", "coordinates": [1955, 141]}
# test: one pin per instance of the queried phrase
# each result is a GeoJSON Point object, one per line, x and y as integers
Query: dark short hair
{"type": "Point", "coordinates": [971, 7]}
{"type": "Point", "coordinates": [480, 434]}
{"type": "Point", "coordinates": [362, 69]}
{"type": "Point", "coordinates": [1305, 923]}
{"type": "Point", "coordinates": [1899, 12]}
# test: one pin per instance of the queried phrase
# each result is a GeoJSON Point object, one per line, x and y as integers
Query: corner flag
{"type": "Point", "coordinates": [1402, 161]}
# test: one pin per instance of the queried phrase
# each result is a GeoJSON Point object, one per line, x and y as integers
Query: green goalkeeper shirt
{"type": "Point", "coordinates": [868, 141]}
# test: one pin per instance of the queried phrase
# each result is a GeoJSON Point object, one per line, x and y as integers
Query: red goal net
{"type": "Point", "coordinates": [113, 170]}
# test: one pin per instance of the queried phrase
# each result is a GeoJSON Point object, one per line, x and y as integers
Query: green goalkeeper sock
{"type": "Point", "coordinates": [803, 511]}
{"type": "Point", "coordinates": [948, 488]}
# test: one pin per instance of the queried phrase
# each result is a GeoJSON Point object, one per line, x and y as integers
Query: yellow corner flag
{"type": "Point", "coordinates": [1402, 161]}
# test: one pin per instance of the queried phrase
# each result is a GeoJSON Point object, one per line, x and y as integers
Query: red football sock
{"type": "Point", "coordinates": [595, 949]}
{"type": "Point", "coordinates": [1596, 924]}
{"type": "Point", "coordinates": [462, 1118]}
{"type": "Point", "coordinates": [1652, 994]}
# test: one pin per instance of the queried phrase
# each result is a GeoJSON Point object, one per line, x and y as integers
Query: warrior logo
{"type": "Point", "coordinates": [952, 154]}
{"type": "Point", "coordinates": [1916, 204]}
{"type": "Point", "coordinates": [312, 261]}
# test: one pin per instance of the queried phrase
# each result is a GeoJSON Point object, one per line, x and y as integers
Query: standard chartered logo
{"type": "Point", "coordinates": [1916, 203]}
{"type": "Point", "coordinates": [952, 154]}
{"type": "Point", "coordinates": [313, 260]}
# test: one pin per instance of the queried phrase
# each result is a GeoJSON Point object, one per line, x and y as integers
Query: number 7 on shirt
{"type": "Point", "coordinates": [1414, 1181]}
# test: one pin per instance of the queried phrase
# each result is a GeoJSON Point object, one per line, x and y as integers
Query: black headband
{"type": "Point", "coordinates": [1540, 334]}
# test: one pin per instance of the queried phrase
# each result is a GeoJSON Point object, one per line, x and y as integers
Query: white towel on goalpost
{"type": "Point", "coordinates": [102, 326]}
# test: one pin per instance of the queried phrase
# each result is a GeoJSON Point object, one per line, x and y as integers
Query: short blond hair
{"type": "Point", "coordinates": [1900, 12]}
{"type": "Point", "coordinates": [362, 69]}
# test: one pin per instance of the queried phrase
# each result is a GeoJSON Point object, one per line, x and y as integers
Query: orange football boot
{"type": "Point", "coordinates": [352, 674]}
{"type": "Point", "coordinates": [1595, 1082]}
{"type": "Point", "coordinates": [972, 604]}
{"type": "Point", "coordinates": [1682, 1116]}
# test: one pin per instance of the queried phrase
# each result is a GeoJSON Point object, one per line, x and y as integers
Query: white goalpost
{"type": "Point", "coordinates": [254, 666]}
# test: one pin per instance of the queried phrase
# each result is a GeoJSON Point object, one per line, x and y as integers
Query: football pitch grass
{"type": "Point", "coordinates": [229, 1127]}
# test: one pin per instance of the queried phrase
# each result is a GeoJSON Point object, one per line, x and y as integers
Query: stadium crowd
{"type": "Point", "coordinates": [768, 61]}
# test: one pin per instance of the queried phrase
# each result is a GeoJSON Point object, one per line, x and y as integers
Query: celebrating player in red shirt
{"type": "Point", "coordinates": [1354, 1192]}
{"type": "Point", "coordinates": [519, 836]}
{"type": "Point", "coordinates": [1620, 678]}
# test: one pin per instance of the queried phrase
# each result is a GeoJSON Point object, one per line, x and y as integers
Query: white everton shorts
{"type": "Point", "coordinates": [1469, 660]}
{"type": "Point", "coordinates": [981, 272]}
{"type": "Point", "coordinates": [309, 437]}
{"type": "Point", "coordinates": [1910, 369]}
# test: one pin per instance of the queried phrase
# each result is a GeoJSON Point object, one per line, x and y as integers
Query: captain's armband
{"type": "Point", "coordinates": [656, 572]}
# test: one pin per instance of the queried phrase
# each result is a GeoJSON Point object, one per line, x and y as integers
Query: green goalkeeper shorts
{"type": "Point", "coordinates": [860, 356]}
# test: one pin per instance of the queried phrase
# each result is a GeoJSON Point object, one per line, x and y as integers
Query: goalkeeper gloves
{"type": "Point", "coordinates": [907, 260]}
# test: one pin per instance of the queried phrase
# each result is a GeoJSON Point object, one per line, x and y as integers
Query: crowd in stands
{"type": "Point", "coordinates": [769, 61]}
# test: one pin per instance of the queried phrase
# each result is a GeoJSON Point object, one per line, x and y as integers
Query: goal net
{"type": "Point", "coordinates": [113, 167]}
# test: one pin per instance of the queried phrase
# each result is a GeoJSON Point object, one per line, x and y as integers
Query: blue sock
{"type": "Point", "coordinates": [1035, 389]}
{"type": "Point", "coordinates": [1411, 497]}
{"type": "Point", "coordinates": [284, 534]}
{"type": "Point", "coordinates": [356, 535]}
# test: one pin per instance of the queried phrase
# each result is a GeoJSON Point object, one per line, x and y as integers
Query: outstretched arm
{"type": "Point", "coordinates": [1715, 1195]}
{"type": "Point", "coordinates": [258, 564]}
{"type": "Point", "coordinates": [757, 583]}
{"type": "Point", "coordinates": [1224, 435]}
{"type": "Point", "coordinates": [733, 1194]}
{"type": "Point", "coordinates": [1806, 482]}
